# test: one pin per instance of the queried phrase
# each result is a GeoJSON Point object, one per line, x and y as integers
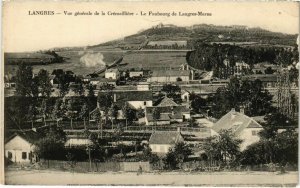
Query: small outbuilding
{"type": "Point", "coordinates": [20, 147]}
{"type": "Point", "coordinates": [161, 141]}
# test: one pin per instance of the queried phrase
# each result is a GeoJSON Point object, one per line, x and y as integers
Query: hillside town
{"type": "Point", "coordinates": [235, 115]}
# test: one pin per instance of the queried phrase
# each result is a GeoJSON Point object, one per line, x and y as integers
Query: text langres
{"type": "Point", "coordinates": [41, 12]}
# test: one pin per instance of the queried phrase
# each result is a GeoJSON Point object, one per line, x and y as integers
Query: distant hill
{"type": "Point", "coordinates": [202, 32]}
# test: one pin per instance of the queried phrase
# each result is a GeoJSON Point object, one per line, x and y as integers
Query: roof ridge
{"type": "Point", "coordinates": [251, 119]}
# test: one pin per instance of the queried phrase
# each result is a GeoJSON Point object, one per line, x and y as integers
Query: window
{"type": "Point", "coordinates": [254, 133]}
{"type": "Point", "coordinates": [24, 155]}
{"type": "Point", "coordinates": [161, 148]}
{"type": "Point", "coordinates": [145, 103]}
{"type": "Point", "coordinates": [9, 155]}
{"type": "Point", "coordinates": [153, 147]}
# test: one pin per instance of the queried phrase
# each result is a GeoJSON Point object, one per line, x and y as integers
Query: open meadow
{"type": "Point", "coordinates": [80, 62]}
{"type": "Point", "coordinates": [86, 62]}
{"type": "Point", "coordinates": [154, 60]}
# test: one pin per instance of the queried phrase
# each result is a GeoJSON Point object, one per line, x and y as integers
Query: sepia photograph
{"type": "Point", "coordinates": [150, 93]}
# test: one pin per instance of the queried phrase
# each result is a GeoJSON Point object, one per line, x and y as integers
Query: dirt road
{"type": "Point", "coordinates": [172, 178]}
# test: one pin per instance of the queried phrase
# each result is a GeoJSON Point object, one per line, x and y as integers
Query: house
{"type": "Point", "coordinates": [113, 74]}
{"type": "Point", "coordinates": [164, 118]}
{"type": "Point", "coordinates": [161, 141]}
{"type": "Point", "coordinates": [260, 68]}
{"type": "Point", "coordinates": [136, 99]}
{"type": "Point", "coordinates": [135, 73]}
{"type": "Point", "coordinates": [244, 127]}
{"type": "Point", "coordinates": [166, 76]}
{"type": "Point", "coordinates": [185, 95]}
{"type": "Point", "coordinates": [168, 114]}
{"type": "Point", "coordinates": [166, 101]}
{"type": "Point", "coordinates": [20, 147]}
{"type": "Point", "coordinates": [268, 80]}
{"type": "Point", "coordinates": [99, 80]}
{"type": "Point", "coordinates": [143, 86]}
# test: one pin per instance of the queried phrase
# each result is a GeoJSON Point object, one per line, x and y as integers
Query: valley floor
{"type": "Point", "coordinates": [48, 177]}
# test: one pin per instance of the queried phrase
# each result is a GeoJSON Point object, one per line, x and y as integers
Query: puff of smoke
{"type": "Point", "coordinates": [91, 59]}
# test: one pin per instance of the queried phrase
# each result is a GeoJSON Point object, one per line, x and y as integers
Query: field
{"type": "Point", "coordinates": [92, 62]}
{"type": "Point", "coordinates": [154, 60]}
{"type": "Point", "coordinates": [47, 177]}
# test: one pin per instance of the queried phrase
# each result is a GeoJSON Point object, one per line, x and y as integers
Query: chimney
{"type": "Point", "coordinates": [232, 109]}
{"type": "Point", "coordinates": [115, 97]}
{"type": "Point", "coordinates": [242, 110]}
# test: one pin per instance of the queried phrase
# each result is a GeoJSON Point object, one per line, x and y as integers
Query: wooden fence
{"type": "Point", "coordinates": [98, 166]}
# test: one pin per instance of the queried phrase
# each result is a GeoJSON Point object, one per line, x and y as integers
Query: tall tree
{"type": "Point", "coordinates": [129, 114]}
{"type": "Point", "coordinates": [113, 113]}
{"type": "Point", "coordinates": [247, 94]}
{"type": "Point", "coordinates": [44, 83]}
{"type": "Point", "coordinates": [25, 85]}
{"type": "Point", "coordinates": [63, 84]}
{"type": "Point", "coordinates": [224, 148]}
{"type": "Point", "coordinates": [177, 155]}
{"type": "Point", "coordinates": [51, 146]}
{"type": "Point", "coordinates": [156, 115]}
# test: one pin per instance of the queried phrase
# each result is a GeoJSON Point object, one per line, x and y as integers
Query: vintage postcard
{"type": "Point", "coordinates": [185, 93]}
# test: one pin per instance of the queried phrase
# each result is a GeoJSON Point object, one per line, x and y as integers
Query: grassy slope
{"type": "Point", "coordinates": [203, 32]}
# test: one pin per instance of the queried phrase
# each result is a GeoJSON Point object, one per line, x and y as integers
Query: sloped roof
{"type": "Point", "coordinates": [168, 73]}
{"type": "Point", "coordinates": [29, 136]}
{"type": "Point", "coordinates": [166, 101]}
{"type": "Point", "coordinates": [124, 96]}
{"type": "Point", "coordinates": [165, 137]}
{"type": "Point", "coordinates": [262, 77]}
{"type": "Point", "coordinates": [235, 121]}
{"type": "Point", "coordinates": [162, 117]}
{"type": "Point", "coordinates": [173, 112]}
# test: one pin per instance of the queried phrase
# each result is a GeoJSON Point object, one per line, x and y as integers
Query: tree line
{"type": "Point", "coordinates": [211, 56]}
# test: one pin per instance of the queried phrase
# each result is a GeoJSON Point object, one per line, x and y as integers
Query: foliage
{"type": "Point", "coordinates": [156, 114]}
{"type": "Point", "coordinates": [282, 148]}
{"type": "Point", "coordinates": [177, 155]}
{"type": "Point", "coordinates": [197, 102]}
{"type": "Point", "coordinates": [91, 90]}
{"type": "Point", "coordinates": [211, 56]}
{"type": "Point", "coordinates": [274, 121]}
{"type": "Point", "coordinates": [193, 123]}
{"type": "Point", "coordinates": [26, 85]}
{"type": "Point", "coordinates": [224, 147]}
{"type": "Point", "coordinates": [78, 89]}
{"type": "Point", "coordinates": [172, 91]}
{"type": "Point", "coordinates": [63, 84]}
{"type": "Point", "coordinates": [51, 146]}
{"type": "Point", "coordinates": [249, 95]}
{"type": "Point", "coordinates": [19, 109]}
{"type": "Point", "coordinates": [149, 156]}
{"type": "Point", "coordinates": [106, 87]}
{"type": "Point", "coordinates": [59, 109]}
{"type": "Point", "coordinates": [105, 101]}
{"type": "Point", "coordinates": [44, 83]}
{"type": "Point", "coordinates": [128, 113]}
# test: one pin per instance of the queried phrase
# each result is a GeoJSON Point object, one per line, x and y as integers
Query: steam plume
{"type": "Point", "coordinates": [90, 59]}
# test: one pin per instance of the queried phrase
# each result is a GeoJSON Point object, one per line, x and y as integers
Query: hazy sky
{"type": "Point", "coordinates": [23, 32]}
